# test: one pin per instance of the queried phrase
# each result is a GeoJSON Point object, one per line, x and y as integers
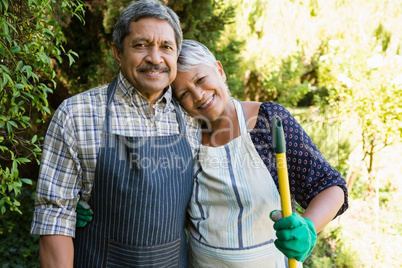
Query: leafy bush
{"type": "Point", "coordinates": [331, 251]}
{"type": "Point", "coordinates": [325, 129]}
{"type": "Point", "coordinates": [31, 41]}
{"type": "Point", "coordinates": [17, 247]}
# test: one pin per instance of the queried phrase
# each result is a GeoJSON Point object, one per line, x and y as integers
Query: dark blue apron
{"type": "Point", "coordinates": [141, 189]}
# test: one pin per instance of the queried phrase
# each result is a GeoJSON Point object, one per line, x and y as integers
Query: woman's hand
{"type": "Point", "coordinates": [296, 236]}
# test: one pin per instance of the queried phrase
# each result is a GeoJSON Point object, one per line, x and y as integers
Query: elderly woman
{"type": "Point", "coordinates": [236, 181]}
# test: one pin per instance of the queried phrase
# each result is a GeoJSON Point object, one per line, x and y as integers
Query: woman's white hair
{"type": "Point", "coordinates": [192, 54]}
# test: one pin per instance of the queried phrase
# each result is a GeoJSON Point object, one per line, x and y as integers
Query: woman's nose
{"type": "Point", "coordinates": [198, 94]}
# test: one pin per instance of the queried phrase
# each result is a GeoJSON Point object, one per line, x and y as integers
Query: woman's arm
{"type": "Point", "coordinates": [323, 208]}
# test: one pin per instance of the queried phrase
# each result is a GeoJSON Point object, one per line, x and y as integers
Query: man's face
{"type": "Point", "coordinates": [149, 56]}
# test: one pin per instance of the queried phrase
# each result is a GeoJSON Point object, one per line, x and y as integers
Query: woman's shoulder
{"type": "Point", "coordinates": [254, 108]}
{"type": "Point", "coordinates": [251, 111]}
{"type": "Point", "coordinates": [251, 108]}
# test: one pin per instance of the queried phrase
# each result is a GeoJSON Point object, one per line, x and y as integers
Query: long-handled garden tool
{"type": "Point", "coordinates": [284, 190]}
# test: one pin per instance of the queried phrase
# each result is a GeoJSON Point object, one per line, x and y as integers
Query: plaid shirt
{"type": "Point", "coordinates": [73, 140]}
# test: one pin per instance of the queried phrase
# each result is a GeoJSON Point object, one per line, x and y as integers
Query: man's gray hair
{"type": "Point", "coordinates": [192, 54]}
{"type": "Point", "coordinates": [145, 9]}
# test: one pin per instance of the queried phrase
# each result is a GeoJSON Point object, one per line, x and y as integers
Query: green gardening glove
{"type": "Point", "coordinates": [296, 236]}
{"type": "Point", "coordinates": [84, 213]}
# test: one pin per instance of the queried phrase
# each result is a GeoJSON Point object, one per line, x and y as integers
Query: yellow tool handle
{"type": "Point", "coordinates": [285, 192]}
{"type": "Point", "coordinates": [284, 184]}
{"type": "Point", "coordinates": [280, 149]}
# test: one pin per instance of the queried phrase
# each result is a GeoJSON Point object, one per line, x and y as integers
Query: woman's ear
{"type": "Point", "coordinates": [116, 54]}
{"type": "Point", "coordinates": [220, 70]}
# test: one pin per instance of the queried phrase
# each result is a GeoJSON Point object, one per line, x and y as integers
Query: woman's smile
{"type": "Point", "coordinates": [207, 103]}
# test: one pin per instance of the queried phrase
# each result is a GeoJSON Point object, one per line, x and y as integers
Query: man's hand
{"type": "Point", "coordinates": [296, 236]}
{"type": "Point", "coordinates": [84, 214]}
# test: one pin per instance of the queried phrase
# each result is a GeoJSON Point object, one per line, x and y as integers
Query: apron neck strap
{"type": "Point", "coordinates": [241, 113]}
{"type": "Point", "coordinates": [111, 89]}
{"type": "Point", "coordinates": [180, 119]}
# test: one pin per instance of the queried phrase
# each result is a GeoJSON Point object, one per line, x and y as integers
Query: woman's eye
{"type": "Point", "coordinates": [199, 80]}
{"type": "Point", "coordinates": [183, 95]}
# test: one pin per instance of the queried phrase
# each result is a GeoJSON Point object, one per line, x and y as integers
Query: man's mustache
{"type": "Point", "coordinates": [153, 68]}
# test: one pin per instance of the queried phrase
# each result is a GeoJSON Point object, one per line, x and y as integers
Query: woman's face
{"type": "Point", "coordinates": [202, 91]}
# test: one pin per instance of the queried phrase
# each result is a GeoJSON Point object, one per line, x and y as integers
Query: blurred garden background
{"type": "Point", "coordinates": [336, 64]}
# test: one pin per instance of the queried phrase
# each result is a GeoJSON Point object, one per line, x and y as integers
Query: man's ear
{"type": "Point", "coordinates": [116, 54]}
{"type": "Point", "coordinates": [220, 70]}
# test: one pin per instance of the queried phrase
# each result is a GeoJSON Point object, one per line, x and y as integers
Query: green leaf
{"type": "Point", "coordinates": [15, 49]}
{"type": "Point", "coordinates": [5, 3]}
{"type": "Point", "coordinates": [25, 118]}
{"type": "Point", "coordinates": [19, 66]}
{"type": "Point", "coordinates": [22, 160]}
{"type": "Point", "coordinates": [7, 79]}
{"type": "Point", "coordinates": [16, 187]}
{"type": "Point", "coordinates": [4, 68]}
{"type": "Point", "coordinates": [6, 31]}
{"type": "Point", "coordinates": [45, 58]}
{"type": "Point", "coordinates": [26, 69]}
{"type": "Point", "coordinates": [10, 128]}
{"type": "Point", "coordinates": [53, 23]}
{"type": "Point", "coordinates": [11, 26]}
{"type": "Point", "coordinates": [13, 123]}
{"type": "Point", "coordinates": [46, 109]}
{"type": "Point", "coordinates": [3, 200]}
{"type": "Point", "coordinates": [48, 33]}
{"type": "Point", "coordinates": [71, 59]}
{"type": "Point", "coordinates": [27, 181]}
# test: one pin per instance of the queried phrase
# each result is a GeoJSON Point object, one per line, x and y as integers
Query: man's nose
{"type": "Point", "coordinates": [154, 56]}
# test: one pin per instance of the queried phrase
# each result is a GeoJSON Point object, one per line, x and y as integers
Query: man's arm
{"type": "Point", "coordinates": [56, 251]}
{"type": "Point", "coordinates": [323, 208]}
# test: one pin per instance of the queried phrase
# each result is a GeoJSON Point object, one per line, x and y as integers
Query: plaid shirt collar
{"type": "Point", "coordinates": [133, 95]}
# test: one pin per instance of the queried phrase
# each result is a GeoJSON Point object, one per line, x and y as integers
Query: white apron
{"type": "Point", "coordinates": [233, 196]}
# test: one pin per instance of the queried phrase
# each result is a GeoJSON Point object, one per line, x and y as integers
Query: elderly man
{"type": "Point", "coordinates": [124, 148]}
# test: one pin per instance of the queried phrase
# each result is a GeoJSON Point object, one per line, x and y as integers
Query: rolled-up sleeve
{"type": "Point", "coordinates": [59, 179]}
{"type": "Point", "coordinates": [309, 172]}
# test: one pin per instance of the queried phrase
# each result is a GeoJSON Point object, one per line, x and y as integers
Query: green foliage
{"type": "Point", "coordinates": [365, 81]}
{"type": "Point", "coordinates": [93, 43]}
{"type": "Point", "coordinates": [209, 30]}
{"type": "Point", "coordinates": [17, 247]}
{"type": "Point", "coordinates": [323, 127]}
{"type": "Point", "coordinates": [326, 53]}
{"type": "Point", "coordinates": [331, 251]}
{"type": "Point", "coordinates": [31, 40]}
{"type": "Point", "coordinates": [285, 84]}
